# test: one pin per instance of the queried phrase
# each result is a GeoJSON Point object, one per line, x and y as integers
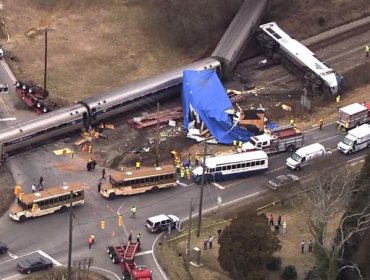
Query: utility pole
{"type": "Point", "coordinates": [157, 141]}
{"type": "Point", "coordinates": [189, 233]}
{"type": "Point", "coordinates": [201, 188]}
{"type": "Point", "coordinates": [46, 57]}
{"type": "Point", "coordinates": [69, 276]}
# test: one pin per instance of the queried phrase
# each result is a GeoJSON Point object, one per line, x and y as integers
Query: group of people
{"type": "Point", "coordinates": [278, 225]}
{"type": "Point", "coordinates": [138, 237]}
{"type": "Point", "coordinates": [207, 243]}
{"type": "Point", "coordinates": [91, 164]}
{"type": "Point", "coordinates": [38, 187]}
{"type": "Point", "coordinates": [310, 246]}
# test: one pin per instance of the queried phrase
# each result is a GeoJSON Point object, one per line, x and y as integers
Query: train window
{"type": "Point", "coordinates": [104, 101]}
{"type": "Point", "coordinates": [71, 114]}
{"type": "Point", "coordinates": [273, 33]}
{"type": "Point", "coordinates": [76, 112]}
{"type": "Point", "coordinates": [98, 103]}
{"type": "Point", "coordinates": [20, 130]}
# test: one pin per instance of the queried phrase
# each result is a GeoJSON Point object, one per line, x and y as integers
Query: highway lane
{"type": "Point", "coordinates": [50, 233]}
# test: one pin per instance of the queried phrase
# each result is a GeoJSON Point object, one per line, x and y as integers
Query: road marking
{"type": "Point", "coordinates": [218, 186]}
{"type": "Point", "coordinates": [8, 119]}
{"type": "Point", "coordinates": [184, 184]}
{"type": "Point", "coordinates": [354, 159]}
{"type": "Point", "coordinates": [18, 257]}
{"type": "Point", "coordinates": [144, 253]}
{"type": "Point", "coordinates": [276, 169]}
{"type": "Point", "coordinates": [7, 69]}
{"type": "Point", "coordinates": [11, 277]}
{"type": "Point", "coordinates": [42, 253]}
{"type": "Point", "coordinates": [12, 255]}
{"type": "Point", "coordinates": [105, 270]}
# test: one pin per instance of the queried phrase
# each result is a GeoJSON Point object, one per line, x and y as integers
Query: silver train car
{"type": "Point", "coordinates": [239, 33]}
{"type": "Point", "coordinates": [96, 108]}
{"type": "Point", "coordinates": [279, 45]}
{"type": "Point", "coordinates": [156, 88]}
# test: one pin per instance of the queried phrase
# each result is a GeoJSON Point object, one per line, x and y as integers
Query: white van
{"type": "Point", "coordinates": [305, 154]}
{"type": "Point", "coordinates": [356, 139]}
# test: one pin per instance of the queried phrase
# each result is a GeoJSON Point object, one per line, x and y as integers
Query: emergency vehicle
{"type": "Point", "coordinates": [286, 138]}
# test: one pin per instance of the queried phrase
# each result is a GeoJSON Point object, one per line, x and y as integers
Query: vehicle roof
{"type": "Point", "coordinates": [353, 108]}
{"type": "Point", "coordinates": [310, 148]}
{"type": "Point", "coordinates": [261, 138]}
{"type": "Point", "coordinates": [160, 217]}
{"type": "Point", "coordinates": [33, 260]}
{"type": "Point", "coordinates": [30, 198]}
{"type": "Point", "coordinates": [212, 162]}
{"type": "Point", "coordinates": [286, 132]}
{"type": "Point", "coordinates": [142, 172]}
{"type": "Point", "coordinates": [360, 131]}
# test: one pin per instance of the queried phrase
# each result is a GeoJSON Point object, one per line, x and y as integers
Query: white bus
{"type": "Point", "coordinates": [46, 201]}
{"type": "Point", "coordinates": [141, 180]}
{"type": "Point", "coordinates": [229, 166]}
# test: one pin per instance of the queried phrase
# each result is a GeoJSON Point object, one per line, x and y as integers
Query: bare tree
{"type": "Point", "coordinates": [330, 193]}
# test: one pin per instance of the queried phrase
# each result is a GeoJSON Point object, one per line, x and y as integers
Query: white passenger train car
{"type": "Point", "coordinates": [231, 166]}
{"type": "Point", "coordinates": [277, 43]}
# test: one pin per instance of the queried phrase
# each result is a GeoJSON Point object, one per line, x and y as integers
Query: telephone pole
{"type": "Point", "coordinates": [157, 141]}
{"type": "Point", "coordinates": [189, 233]}
{"type": "Point", "coordinates": [69, 276]}
{"type": "Point", "coordinates": [201, 188]}
{"type": "Point", "coordinates": [46, 57]}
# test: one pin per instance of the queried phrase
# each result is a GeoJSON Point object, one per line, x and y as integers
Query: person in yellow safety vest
{"type": "Point", "coordinates": [197, 157]}
{"type": "Point", "coordinates": [137, 164]}
{"type": "Point", "coordinates": [188, 174]}
{"type": "Point", "coordinates": [240, 144]}
{"type": "Point", "coordinates": [182, 173]}
{"type": "Point", "coordinates": [235, 143]}
{"type": "Point", "coordinates": [367, 50]}
{"type": "Point", "coordinates": [292, 123]}
{"type": "Point", "coordinates": [337, 99]}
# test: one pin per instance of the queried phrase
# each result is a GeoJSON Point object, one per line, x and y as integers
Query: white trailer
{"type": "Point", "coordinates": [356, 139]}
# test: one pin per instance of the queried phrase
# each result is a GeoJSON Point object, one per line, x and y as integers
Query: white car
{"type": "Point", "coordinates": [161, 222]}
{"type": "Point", "coordinates": [282, 181]}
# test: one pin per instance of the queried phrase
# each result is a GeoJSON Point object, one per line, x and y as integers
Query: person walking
{"type": "Point", "coordinates": [337, 99]}
{"type": "Point", "coordinates": [279, 221]}
{"type": "Point", "coordinates": [99, 185]}
{"type": "Point", "coordinates": [219, 233]}
{"type": "Point", "coordinates": [130, 237]}
{"type": "Point", "coordinates": [41, 182]}
{"type": "Point", "coordinates": [302, 246]}
{"type": "Point", "coordinates": [292, 123]}
{"type": "Point", "coordinates": [321, 123]}
{"type": "Point", "coordinates": [133, 212]}
{"type": "Point", "coordinates": [138, 236]}
{"type": "Point", "coordinates": [90, 241]}
{"type": "Point", "coordinates": [92, 238]}
{"type": "Point", "coordinates": [88, 165]}
{"type": "Point", "coordinates": [205, 243]}
{"type": "Point", "coordinates": [33, 188]}
{"type": "Point", "coordinates": [271, 220]}
{"type": "Point", "coordinates": [210, 239]}
{"type": "Point", "coordinates": [367, 50]}
{"type": "Point", "coordinates": [284, 227]}
{"type": "Point", "coordinates": [93, 164]}
{"type": "Point", "coordinates": [310, 245]}
{"type": "Point", "coordinates": [103, 173]}
{"type": "Point", "coordinates": [137, 164]}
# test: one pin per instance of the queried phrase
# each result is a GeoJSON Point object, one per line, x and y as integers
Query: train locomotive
{"type": "Point", "coordinates": [280, 47]}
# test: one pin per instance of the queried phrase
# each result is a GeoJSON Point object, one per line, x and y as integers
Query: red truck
{"type": "Point", "coordinates": [34, 96]}
{"type": "Point", "coordinates": [285, 138]}
{"type": "Point", "coordinates": [125, 256]}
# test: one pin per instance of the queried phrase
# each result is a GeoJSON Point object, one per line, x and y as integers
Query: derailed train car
{"type": "Point", "coordinates": [239, 33]}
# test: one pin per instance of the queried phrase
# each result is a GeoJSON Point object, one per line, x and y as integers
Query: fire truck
{"type": "Point", "coordinates": [286, 138]}
{"type": "Point", "coordinates": [34, 96]}
{"type": "Point", "coordinates": [125, 256]}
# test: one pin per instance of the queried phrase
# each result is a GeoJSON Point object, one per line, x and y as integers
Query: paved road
{"type": "Point", "coordinates": [50, 233]}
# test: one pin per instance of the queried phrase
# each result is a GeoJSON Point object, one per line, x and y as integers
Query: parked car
{"type": "Point", "coordinates": [282, 181]}
{"type": "Point", "coordinates": [161, 222]}
{"type": "Point", "coordinates": [3, 248]}
{"type": "Point", "coordinates": [35, 264]}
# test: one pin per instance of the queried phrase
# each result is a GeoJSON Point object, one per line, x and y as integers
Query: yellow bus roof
{"type": "Point", "coordinates": [29, 198]}
{"type": "Point", "coordinates": [142, 172]}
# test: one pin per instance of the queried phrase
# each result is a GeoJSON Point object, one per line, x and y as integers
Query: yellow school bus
{"type": "Point", "coordinates": [139, 181]}
{"type": "Point", "coordinates": [45, 202]}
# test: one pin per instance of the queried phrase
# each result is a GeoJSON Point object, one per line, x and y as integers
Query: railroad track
{"type": "Point", "coordinates": [314, 43]}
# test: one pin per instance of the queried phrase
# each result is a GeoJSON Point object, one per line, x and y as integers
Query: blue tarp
{"type": "Point", "coordinates": [204, 91]}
